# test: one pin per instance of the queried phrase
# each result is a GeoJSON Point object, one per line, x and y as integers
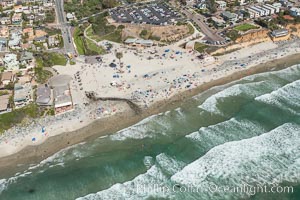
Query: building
{"type": "Point", "coordinates": [295, 11]}
{"type": "Point", "coordinates": [44, 96]}
{"type": "Point", "coordinates": [5, 20]}
{"type": "Point", "coordinates": [3, 44]}
{"type": "Point", "coordinates": [228, 16]}
{"type": "Point", "coordinates": [218, 22]}
{"type": "Point", "coordinates": [62, 99]}
{"type": "Point", "coordinates": [138, 42]}
{"type": "Point", "coordinates": [253, 13]}
{"type": "Point", "coordinates": [70, 16]}
{"type": "Point", "coordinates": [61, 93]}
{"type": "Point", "coordinates": [279, 33]}
{"type": "Point", "coordinates": [270, 8]}
{"type": "Point", "coordinates": [16, 19]}
{"type": "Point", "coordinates": [4, 102]}
{"type": "Point", "coordinates": [27, 59]}
{"type": "Point", "coordinates": [7, 77]}
{"type": "Point", "coordinates": [221, 5]}
{"type": "Point", "coordinates": [15, 41]}
{"type": "Point", "coordinates": [22, 95]}
{"type": "Point", "coordinates": [10, 62]}
{"type": "Point", "coordinates": [4, 31]}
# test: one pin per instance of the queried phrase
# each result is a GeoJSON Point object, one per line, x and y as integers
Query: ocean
{"type": "Point", "coordinates": [236, 141]}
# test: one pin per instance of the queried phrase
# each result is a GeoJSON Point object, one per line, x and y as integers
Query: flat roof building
{"type": "Point", "coordinates": [44, 95]}
{"type": "Point", "coordinates": [4, 101]}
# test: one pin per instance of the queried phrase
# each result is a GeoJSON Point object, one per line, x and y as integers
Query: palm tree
{"type": "Point", "coordinates": [119, 55]}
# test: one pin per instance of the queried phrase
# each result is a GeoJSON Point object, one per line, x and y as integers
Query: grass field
{"type": "Point", "coordinates": [200, 47]}
{"type": "Point", "coordinates": [78, 41]}
{"type": "Point", "coordinates": [7, 120]}
{"type": "Point", "coordinates": [245, 27]}
{"type": "Point", "coordinates": [115, 36]}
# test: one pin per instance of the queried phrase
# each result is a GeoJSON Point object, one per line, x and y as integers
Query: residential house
{"type": "Point", "coordinates": [53, 41]}
{"type": "Point", "coordinates": [22, 94]}
{"type": "Point", "coordinates": [7, 3]}
{"type": "Point", "coordinates": [16, 19]}
{"type": "Point", "coordinates": [5, 20]}
{"type": "Point", "coordinates": [7, 77]}
{"type": "Point", "coordinates": [18, 9]}
{"type": "Point", "coordinates": [270, 8]}
{"type": "Point", "coordinates": [70, 16]}
{"type": "Point", "coordinates": [4, 103]}
{"type": "Point", "coordinates": [62, 99]}
{"type": "Point", "coordinates": [295, 11]}
{"type": "Point", "coordinates": [44, 95]}
{"type": "Point", "coordinates": [3, 44]}
{"type": "Point", "coordinates": [221, 5]}
{"type": "Point", "coordinates": [253, 13]}
{"type": "Point", "coordinates": [4, 31]}
{"type": "Point", "coordinates": [27, 59]}
{"type": "Point", "coordinates": [15, 41]}
{"type": "Point", "coordinates": [279, 33]}
{"type": "Point", "coordinates": [228, 16]}
{"type": "Point", "coordinates": [29, 33]}
{"type": "Point", "coordinates": [10, 62]}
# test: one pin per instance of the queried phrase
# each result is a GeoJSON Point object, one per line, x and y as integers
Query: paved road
{"type": "Point", "coordinates": [65, 28]}
{"type": "Point", "coordinates": [198, 19]}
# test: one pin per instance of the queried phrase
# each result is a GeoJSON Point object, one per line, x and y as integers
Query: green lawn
{"type": "Point", "coordinates": [7, 120]}
{"type": "Point", "coordinates": [78, 41]}
{"type": "Point", "coordinates": [58, 59]}
{"type": "Point", "coordinates": [41, 75]}
{"type": "Point", "coordinates": [245, 27]}
{"type": "Point", "coordinates": [46, 59]}
{"type": "Point", "coordinates": [200, 47]}
{"type": "Point", "coordinates": [114, 36]}
{"type": "Point", "coordinates": [94, 47]}
{"type": "Point", "coordinates": [191, 29]}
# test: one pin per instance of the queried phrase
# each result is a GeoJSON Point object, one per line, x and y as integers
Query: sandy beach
{"type": "Point", "coordinates": [156, 85]}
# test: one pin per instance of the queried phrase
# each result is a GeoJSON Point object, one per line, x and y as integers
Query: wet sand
{"type": "Point", "coordinates": [34, 154]}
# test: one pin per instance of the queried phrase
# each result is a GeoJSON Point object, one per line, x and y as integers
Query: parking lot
{"type": "Point", "coordinates": [156, 14]}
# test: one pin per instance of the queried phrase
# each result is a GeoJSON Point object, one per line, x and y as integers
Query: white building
{"type": "Point", "coordinates": [221, 4]}
{"type": "Point", "coordinates": [10, 62]}
{"type": "Point", "coordinates": [295, 11]}
{"type": "Point", "coordinates": [253, 13]}
{"type": "Point", "coordinates": [270, 8]}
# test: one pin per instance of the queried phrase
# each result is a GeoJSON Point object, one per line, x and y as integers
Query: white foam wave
{"type": "Point", "coordinates": [235, 129]}
{"type": "Point", "coordinates": [268, 158]}
{"type": "Point", "coordinates": [285, 96]}
{"type": "Point", "coordinates": [211, 103]}
{"type": "Point", "coordinates": [143, 129]}
{"type": "Point", "coordinates": [141, 187]}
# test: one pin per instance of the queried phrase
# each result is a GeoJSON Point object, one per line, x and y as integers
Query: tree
{"type": "Point", "coordinates": [119, 55]}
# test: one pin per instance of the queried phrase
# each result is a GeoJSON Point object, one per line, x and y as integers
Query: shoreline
{"type": "Point", "coordinates": [37, 153]}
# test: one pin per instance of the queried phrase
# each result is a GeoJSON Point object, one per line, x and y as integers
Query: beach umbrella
{"type": "Point", "coordinates": [33, 139]}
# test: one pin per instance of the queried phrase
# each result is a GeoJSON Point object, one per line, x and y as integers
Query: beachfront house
{"type": "Point", "coordinates": [139, 42]}
{"type": "Point", "coordinates": [62, 99]}
{"type": "Point", "coordinates": [4, 103]}
{"type": "Point", "coordinates": [44, 95]}
{"type": "Point", "coordinates": [22, 95]}
{"type": "Point", "coordinates": [280, 34]}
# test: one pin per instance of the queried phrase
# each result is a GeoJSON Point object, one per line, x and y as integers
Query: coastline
{"type": "Point", "coordinates": [101, 127]}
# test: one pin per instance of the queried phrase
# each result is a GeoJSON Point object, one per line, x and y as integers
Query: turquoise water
{"type": "Point", "coordinates": [246, 133]}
